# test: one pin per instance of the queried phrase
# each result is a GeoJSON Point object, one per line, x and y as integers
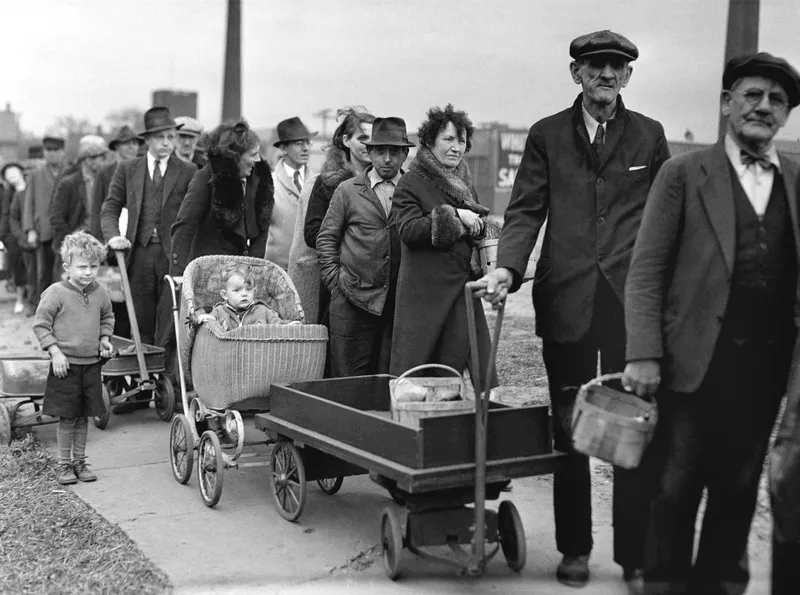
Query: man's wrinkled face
{"type": "Point", "coordinates": [187, 143]}
{"type": "Point", "coordinates": [387, 159]}
{"type": "Point", "coordinates": [756, 108]}
{"type": "Point", "coordinates": [602, 77]}
{"type": "Point", "coordinates": [53, 155]}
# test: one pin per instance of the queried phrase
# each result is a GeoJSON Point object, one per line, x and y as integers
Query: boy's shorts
{"type": "Point", "coordinates": [78, 394]}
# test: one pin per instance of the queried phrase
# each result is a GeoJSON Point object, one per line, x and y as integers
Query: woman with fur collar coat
{"type": "Point", "coordinates": [228, 204]}
{"type": "Point", "coordinates": [439, 220]}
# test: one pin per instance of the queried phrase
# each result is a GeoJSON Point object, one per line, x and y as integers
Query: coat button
{"type": "Point", "coordinates": [601, 257]}
{"type": "Point", "coordinates": [600, 181]}
{"type": "Point", "coordinates": [601, 220]}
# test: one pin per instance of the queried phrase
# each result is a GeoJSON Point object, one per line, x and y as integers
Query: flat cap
{"type": "Point", "coordinates": [189, 125]}
{"type": "Point", "coordinates": [768, 66]}
{"type": "Point", "coordinates": [92, 145]}
{"type": "Point", "coordinates": [602, 42]}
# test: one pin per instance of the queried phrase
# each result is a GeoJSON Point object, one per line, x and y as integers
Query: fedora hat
{"type": "Point", "coordinates": [389, 131]}
{"type": "Point", "coordinates": [125, 134]}
{"type": "Point", "coordinates": [291, 130]}
{"type": "Point", "coordinates": [157, 119]}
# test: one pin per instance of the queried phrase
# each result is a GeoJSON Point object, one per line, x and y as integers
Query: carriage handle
{"type": "Point", "coordinates": [453, 371]}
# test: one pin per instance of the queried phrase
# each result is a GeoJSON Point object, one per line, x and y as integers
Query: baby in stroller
{"type": "Point", "coordinates": [238, 307]}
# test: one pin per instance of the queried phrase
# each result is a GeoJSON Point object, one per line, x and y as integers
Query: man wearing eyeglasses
{"type": "Point", "coordinates": [290, 176]}
{"type": "Point", "coordinates": [710, 308]}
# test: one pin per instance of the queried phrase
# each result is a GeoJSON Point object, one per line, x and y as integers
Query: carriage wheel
{"type": "Point", "coordinates": [181, 448]}
{"type": "Point", "coordinates": [288, 480]}
{"type": "Point", "coordinates": [210, 468]}
{"type": "Point", "coordinates": [512, 535]}
{"type": "Point", "coordinates": [5, 426]}
{"type": "Point", "coordinates": [164, 396]}
{"type": "Point", "coordinates": [109, 391]}
{"type": "Point", "coordinates": [330, 485]}
{"type": "Point", "coordinates": [391, 542]}
{"type": "Point", "coordinates": [234, 428]}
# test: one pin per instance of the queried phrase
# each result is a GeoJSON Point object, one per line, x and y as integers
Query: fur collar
{"type": "Point", "coordinates": [329, 182]}
{"type": "Point", "coordinates": [227, 195]}
{"type": "Point", "coordinates": [456, 186]}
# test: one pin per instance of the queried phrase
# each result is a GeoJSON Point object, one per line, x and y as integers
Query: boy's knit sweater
{"type": "Point", "coordinates": [74, 320]}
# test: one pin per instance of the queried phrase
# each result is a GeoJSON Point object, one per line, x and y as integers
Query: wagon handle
{"type": "Point", "coordinates": [137, 337]}
{"type": "Point", "coordinates": [481, 417]}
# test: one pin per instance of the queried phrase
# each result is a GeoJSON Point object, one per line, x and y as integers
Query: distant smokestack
{"type": "Point", "coordinates": [742, 34]}
{"type": "Point", "coordinates": [232, 86]}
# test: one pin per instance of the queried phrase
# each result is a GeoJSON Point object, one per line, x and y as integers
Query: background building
{"type": "Point", "coordinates": [10, 135]}
{"type": "Point", "coordinates": [180, 103]}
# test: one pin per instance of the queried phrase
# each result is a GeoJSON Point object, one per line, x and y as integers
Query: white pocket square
{"type": "Point", "coordinates": [636, 167]}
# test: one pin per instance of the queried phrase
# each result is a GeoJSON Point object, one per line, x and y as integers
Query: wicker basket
{"type": "Point", "coordinates": [488, 253]}
{"type": "Point", "coordinates": [228, 367]}
{"type": "Point", "coordinates": [611, 425]}
{"type": "Point", "coordinates": [409, 413]}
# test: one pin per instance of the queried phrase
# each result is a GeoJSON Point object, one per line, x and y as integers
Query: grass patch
{"type": "Point", "coordinates": [51, 541]}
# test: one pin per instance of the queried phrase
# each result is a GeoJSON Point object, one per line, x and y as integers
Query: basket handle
{"type": "Point", "coordinates": [453, 371]}
{"type": "Point", "coordinates": [606, 378]}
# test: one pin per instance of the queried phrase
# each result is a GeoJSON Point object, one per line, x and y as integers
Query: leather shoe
{"type": "Point", "coordinates": [634, 579]}
{"type": "Point", "coordinates": [573, 571]}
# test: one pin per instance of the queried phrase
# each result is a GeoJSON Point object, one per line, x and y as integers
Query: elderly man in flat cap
{"type": "Point", "coordinates": [290, 176]}
{"type": "Point", "coordinates": [711, 305]}
{"type": "Point", "coordinates": [73, 207]}
{"type": "Point", "coordinates": [36, 211]}
{"type": "Point", "coordinates": [587, 171]}
{"type": "Point", "coordinates": [186, 146]}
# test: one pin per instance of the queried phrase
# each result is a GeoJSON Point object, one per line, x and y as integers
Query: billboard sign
{"type": "Point", "coordinates": [509, 156]}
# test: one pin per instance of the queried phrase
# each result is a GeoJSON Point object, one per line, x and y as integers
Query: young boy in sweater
{"type": "Point", "coordinates": [238, 307]}
{"type": "Point", "coordinates": [74, 322]}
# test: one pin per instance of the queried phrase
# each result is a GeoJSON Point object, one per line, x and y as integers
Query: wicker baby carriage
{"type": "Point", "coordinates": [227, 368]}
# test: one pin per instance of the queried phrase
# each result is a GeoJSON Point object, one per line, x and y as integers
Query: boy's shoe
{"type": "Point", "coordinates": [66, 474]}
{"type": "Point", "coordinates": [573, 571]}
{"type": "Point", "coordinates": [83, 472]}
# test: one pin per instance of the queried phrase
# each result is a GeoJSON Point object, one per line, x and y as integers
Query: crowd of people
{"type": "Point", "coordinates": [682, 272]}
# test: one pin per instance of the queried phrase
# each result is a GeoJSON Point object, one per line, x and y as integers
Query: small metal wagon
{"type": "Point", "coordinates": [328, 429]}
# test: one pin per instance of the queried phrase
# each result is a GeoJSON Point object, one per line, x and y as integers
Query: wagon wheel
{"type": "Point", "coordinates": [109, 390]}
{"type": "Point", "coordinates": [5, 426]}
{"type": "Point", "coordinates": [210, 468]}
{"type": "Point", "coordinates": [391, 542]}
{"type": "Point", "coordinates": [512, 535]}
{"type": "Point", "coordinates": [288, 480]}
{"type": "Point", "coordinates": [164, 396]}
{"type": "Point", "coordinates": [181, 448]}
{"type": "Point", "coordinates": [330, 485]}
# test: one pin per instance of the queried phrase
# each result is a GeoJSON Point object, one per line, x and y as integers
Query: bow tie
{"type": "Point", "coordinates": [749, 158]}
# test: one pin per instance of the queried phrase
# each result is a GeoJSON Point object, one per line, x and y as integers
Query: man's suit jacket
{"type": "Point", "coordinates": [68, 211]}
{"type": "Point", "coordinates": [679, 280]}
{"type": "Point", "coordinates": [127, 190]}
{"type": "Point", "coordinates": [592, 207]}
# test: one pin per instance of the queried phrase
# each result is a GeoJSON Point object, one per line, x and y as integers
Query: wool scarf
{"type": "Point", "coordinates": [455, 185]}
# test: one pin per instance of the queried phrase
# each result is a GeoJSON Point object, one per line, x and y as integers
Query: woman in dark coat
{"type": "Point", "coordinates": [439, 221]}
{"type": "Point", "coordinates": [228, 204]}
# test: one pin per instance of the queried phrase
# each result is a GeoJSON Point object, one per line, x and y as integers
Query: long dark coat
{"type": "Point", "coordinates": [68, 211]}
{"type": "Point", "coordinates": [430, 324]}
{"type": "Point", "coordinates": [592, 207]}
{"type": "Point", "coordinates": [212, 216]}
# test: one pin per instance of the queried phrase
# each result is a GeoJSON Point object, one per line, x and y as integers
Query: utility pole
{"type": "Point", "coordinates": [324, 113]}
{"type": "Point", "coordinates": [232, 85]}
{"type": "Point", "coordinates": [742, 34]}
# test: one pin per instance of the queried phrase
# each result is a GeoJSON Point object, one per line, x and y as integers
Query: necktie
{"type": "Point", "coordinates": [157, 172]}
{"type": "Point", "coordinates": [749, 158]}
{"type": "Point", "coordinates": [599, 140]}
{"type": "Point", "coordinates": [297, 180]}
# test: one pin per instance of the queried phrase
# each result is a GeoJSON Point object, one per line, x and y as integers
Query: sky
{"type": "Point", "coordinates": [499, 60]}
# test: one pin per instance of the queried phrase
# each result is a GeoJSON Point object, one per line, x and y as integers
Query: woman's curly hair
{"type": "Point", "coordinates": [232, 139]}
{"type": "Point", "coordinates": [354, 117]}
{"type": "Point", "coordinates": [439, 118]}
